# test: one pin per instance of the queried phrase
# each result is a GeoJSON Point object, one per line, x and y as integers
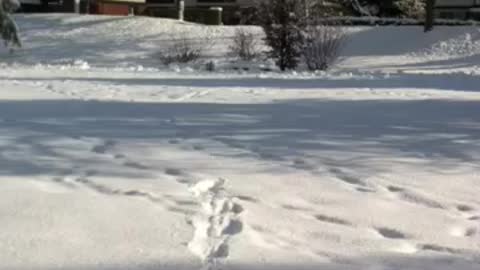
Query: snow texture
{"type": "Point", "coordinates": [110, 160]}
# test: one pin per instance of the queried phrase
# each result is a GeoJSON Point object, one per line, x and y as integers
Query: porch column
{"type": "Point", "coordinates": [181, 9]}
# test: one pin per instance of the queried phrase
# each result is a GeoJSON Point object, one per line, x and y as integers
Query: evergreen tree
{"type": "Point", "coordinates": [282, 22]}
{"type": "Point", "coordinates": [411, 8]}
{"type": "Point", "coordinates": [8, 27]}
{"type": "Point", "coordinates": [371, 7]}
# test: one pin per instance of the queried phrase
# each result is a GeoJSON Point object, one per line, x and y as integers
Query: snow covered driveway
{"type": "Point", "coordinates": [105, 168]}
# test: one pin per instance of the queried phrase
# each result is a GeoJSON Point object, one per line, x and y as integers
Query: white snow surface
{"type": "Point", "coordinates": [109, 160]}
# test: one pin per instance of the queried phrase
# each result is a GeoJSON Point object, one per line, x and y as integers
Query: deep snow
{"type": "Point", "coordinates": [110, 161]}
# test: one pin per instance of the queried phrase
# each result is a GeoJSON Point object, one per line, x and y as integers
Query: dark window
{"type": "Point", "coordinates": [160, 1]}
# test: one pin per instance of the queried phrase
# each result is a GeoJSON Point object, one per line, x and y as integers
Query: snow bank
{"type": "Point", "coordinates": [133, 43]}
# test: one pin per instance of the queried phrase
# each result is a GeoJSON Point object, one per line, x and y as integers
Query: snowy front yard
{"type": "Point", "coordinates": [110, 161]}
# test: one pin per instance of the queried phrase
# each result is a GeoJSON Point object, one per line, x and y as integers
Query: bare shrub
{"type": "Point", "coordinates": [245, 45]}
{"type": "Point", "coordinates": [184, 47]}
{"type": "Point", "coordinates": [8, 27]}
{"type": "Point", "coordinates": [210, 66]}
{"type": "Point", "coordinates": [322, 45]}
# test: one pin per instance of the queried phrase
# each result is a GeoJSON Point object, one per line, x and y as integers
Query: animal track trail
{"type": "Point", "coordinates": [72, 180]}
{"type": "Point", "coordinates": [440, 249]}
{"type": "Point", "coordinates": [107, 190]}
{"type": "Point", "coordinates": [107, 147]}
{"type": "Point", "coordinates": [168, 202]}
{"type": "Point", "coordinates": [65, 181]}
{"type": "Point", "coordinates": [467, 212]}
{"type": "Point", "coordinates": [412, 197]}
{"type": "Point", "coordinates": [347, 178]}
{"type": "Point", "coordinates": [352, 180]}
{"type": "Point", "coordinates": [217, 221]}
{"type": "Point", "coordinates": [469, 226]}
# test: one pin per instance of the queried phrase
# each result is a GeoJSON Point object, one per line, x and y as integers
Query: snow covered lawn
{"type": "Point", "coordinates": [110, 161]}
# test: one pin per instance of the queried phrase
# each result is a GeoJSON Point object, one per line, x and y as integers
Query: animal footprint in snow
{"type": "Point", "coordinates": [296, 208]}
{"type": "Point", "coordinates": [365, 190]}
{"type": "Point", "coordinates": [390, 233]}
{"type": "Point", "coordinates": [173, 141]}
{"type": "Point", "coordinates": [221, 251]}
{"type": "Point", "coordinates": [247, 198]}
{"type": "Point", "coordinates": [90, 173]}
{"type": "Point", "coordinates": [119, 156]}
{"type": "Point", "coordinates": [414, 198]}
{"type": "Point", "coordinates": [466, 211]}
{"type": "Point", "coordinates": [135, 165]}
{"type": "Point", "coordinates": [395, 189]}
{"type": "Point", "coordinates": [438, 248]}
{"type": "Point", "coordinates": [299, 161]}
{"type": "Point", "coordinates": [461, 231]}
{"type": "Point", "coordinates": [301, 164]}
{"type": "Point", "coordinates": [64, 180]}
{"type": "Point", "coordinates": [184, 181]}
{"type": "Point", "coordinates": [347, 178]}
{"type": "Point", "coordinates": [465, 208]}
{"type": "Point", "coordinates": [233, 227]}
{"type": "Point", "coordinates": [173, 171]}
{"type": "Point", "coordinates": [198, 147]}
{"type": "Point", "coordinates": [332, 220]}
{"type": "Point", "coordinates": [104, 147]}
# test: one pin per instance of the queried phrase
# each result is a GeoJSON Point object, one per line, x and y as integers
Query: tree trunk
{"type": "Point", "coordinates": [44, 5]}
{"type": "Point", "coordinates": [181, 9]}
{"type": "Point", "coordinates": [429, 15]}
{"type": "Point", "coordinates": [77, 6]}
{"type": "Point", "coordinates": [68, 6]}
{"type": "Point", "coordinates": [306, 6]}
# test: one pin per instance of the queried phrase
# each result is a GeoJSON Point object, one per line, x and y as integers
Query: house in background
{"type": "Point", "coordinates": [233, 11]}
{"type": "Point", "coordinates": [458, 9]}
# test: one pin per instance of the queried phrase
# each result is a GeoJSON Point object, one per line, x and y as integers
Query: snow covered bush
{"type": "Point", "coordinates": [8, 28]}
{"type": "Point", "coordinates": [322, 45]}
{"type": "Point", "coordinates": [245, 45]}
{"type": "Point", "coordinates": [184, 48]}
{"type": "Point", "coordinates": [282, 22]}
{"type": "Point", "coordinates": [210, 66]}
{"type": "Point", "coordinates": [414, 9]}
{"type": "Point", "coordinates": [367, 7]}
{"type": "Point", "coordinates": [411, 8]}
{"type": "Point", "coordinates": [465, 45]}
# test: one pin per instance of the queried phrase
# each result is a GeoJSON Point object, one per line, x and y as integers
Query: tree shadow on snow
{"type": "Point", "coordinates": [437, 130]}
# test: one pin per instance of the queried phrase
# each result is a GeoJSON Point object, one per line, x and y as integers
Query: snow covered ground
{"type": "Point", "coordinates": [108, 160]}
